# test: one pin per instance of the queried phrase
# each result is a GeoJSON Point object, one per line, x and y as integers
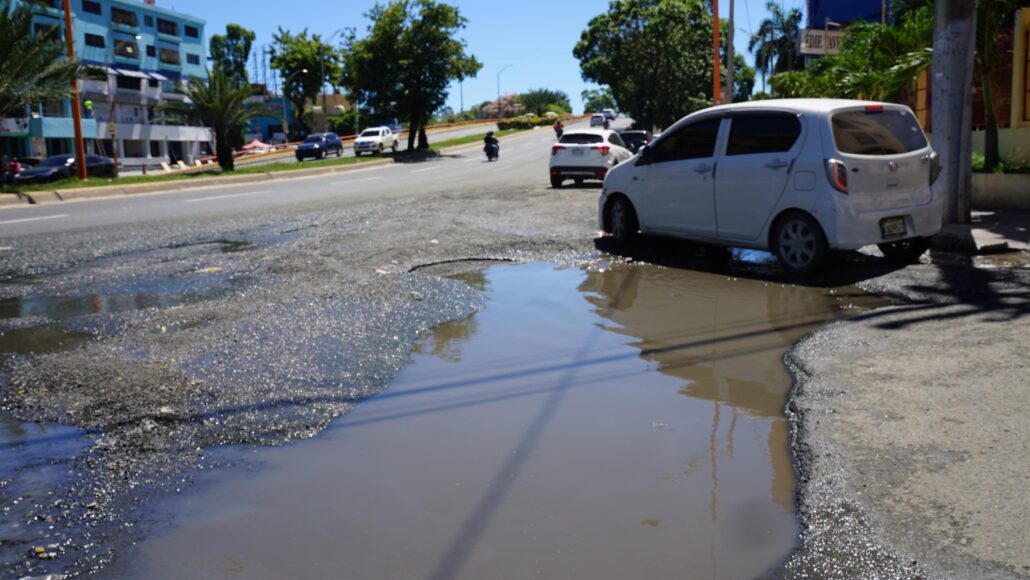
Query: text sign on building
{"type": "Point", "coordinates": [812, 40]}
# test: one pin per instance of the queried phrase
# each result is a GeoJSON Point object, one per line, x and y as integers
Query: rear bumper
{"type": "Point", "coordinates": [588, 172]}
{"type": "Point", "coordinates": [849, 230]}
{"type": "Point", "coordinates": [367, 146]}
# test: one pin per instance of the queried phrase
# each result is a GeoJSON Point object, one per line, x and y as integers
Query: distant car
{"type": "Point", "coordinates": [319, 145]}
{"type": "Point", "coordinates": [586, 154]}
{"type": "Point", "coordinates": [609, 114]}
{"type": "Point", "coordinates": [635, 139]}
{"type": "Point", "coordinates": [797, 177]}
{"type": "Point", "coordinates": [376, 140]}
{"type": "Point", "coordinates": [64, 167]}
{"type": "Point", "coordinates": [597, 120]}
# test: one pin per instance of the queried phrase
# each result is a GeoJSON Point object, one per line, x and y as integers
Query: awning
{"type": "Point", "coordinates": [133, 73]}
{"type": "Point", "coordinates": [157, 76]}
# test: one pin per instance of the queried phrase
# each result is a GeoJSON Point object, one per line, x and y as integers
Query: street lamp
{"type": "Point", "coordinates": [499, 88]}
{"type": "Point", "coordinates": [286, 119]}
{"type": "Point", "coordinates": [321, 53]}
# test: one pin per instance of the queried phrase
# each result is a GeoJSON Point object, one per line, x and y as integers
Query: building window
{"type": "Point", "coordinates": [151, 50]}
{"type": "Point", "coordinates": [192, 59]}
{"type": "Point", "coordinates": [167, 27]}
{"type": "Point", "coordinates": [95, 41]}
{"type": "Point", "coordinates": [91, 6]}
{"type": "Point", "coordinates": [129, 83]}
{"type": "Point", "coordinates": [126, 49]}
{"type": "Point", "coordinates": [48, 31]}
{"type": "Point", "coordinates": [124, 17]}
{"type": "Point", "coordinates": [148, 20]}
{"type": "Point", "coordinates": [154, 83]}
{"type": "Point", "coordinates": [170, 56]}
{"type": "Point", "coordinates": [191, 31]}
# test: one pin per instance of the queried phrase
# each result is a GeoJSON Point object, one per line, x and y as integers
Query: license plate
{"type": "Point", "coordinates": [577, 152]}
{"type": "Point", "coordinates": [892, 227]}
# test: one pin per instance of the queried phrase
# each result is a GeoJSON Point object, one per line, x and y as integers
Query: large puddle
{"type": "Point", "coordinates": [624, 423]}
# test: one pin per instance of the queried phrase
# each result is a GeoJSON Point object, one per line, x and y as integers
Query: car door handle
{"type": "Point", "coordinates": [777, 164]}
{"type": "Point", "coordinates": [702, 168]}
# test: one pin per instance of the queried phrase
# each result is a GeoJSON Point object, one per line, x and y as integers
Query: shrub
{"type": "Point", "coordinates": [524, 123]}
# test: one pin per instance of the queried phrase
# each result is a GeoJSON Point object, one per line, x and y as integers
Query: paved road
{"type": "Point", "coordinates": [523, 156]}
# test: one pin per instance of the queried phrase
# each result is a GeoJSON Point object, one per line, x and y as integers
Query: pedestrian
{"type": "Point", "coordinates": [12, 169]}
{"type": "Point", "coordinates": [88, 106]}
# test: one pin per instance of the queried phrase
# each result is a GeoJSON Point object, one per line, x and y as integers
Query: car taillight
{"type": "Point", "coordinates": [874, 108]}
{"type": "Point", "coordinates": [935, 167]}
{"type": "Point", "coordinates": [556, 149]}
{"type": "Point", "coordinates": [604, 149]}
{"type": "Point", "coordinates": [837, 172]}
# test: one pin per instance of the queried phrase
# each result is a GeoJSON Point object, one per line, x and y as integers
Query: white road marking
{"type": "Point", "coordinates": [36, 219]}
{"type": "Point", "coordinates": [426, 169]}
{"type": "Point", "coordinates": [216, 197]}
{"type": "Point", "coordinates": [349, 181]}
{"type": "Point", "coordinates": [6, 248]}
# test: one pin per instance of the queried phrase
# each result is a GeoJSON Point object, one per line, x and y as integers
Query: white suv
{"type": "Point", "coordinates": [375, 140]}
{"type": "Point", "coordinates": [798, 177]}
{"type": "Point", "coordinates": [586, 154]}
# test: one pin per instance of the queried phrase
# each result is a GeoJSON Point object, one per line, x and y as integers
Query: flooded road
{"type": "Point", "coordinates": [618, 423]}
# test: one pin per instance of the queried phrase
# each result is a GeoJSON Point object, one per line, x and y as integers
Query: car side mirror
{"type": "Point", "coordinates": [646, 155]}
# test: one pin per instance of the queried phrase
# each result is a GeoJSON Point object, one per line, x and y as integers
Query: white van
{"type": "Point", "coordinates": [798, 177]}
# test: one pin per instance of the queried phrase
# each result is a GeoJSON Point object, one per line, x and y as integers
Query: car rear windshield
{"type": "Point", "coordinates": [371, 133]}
{"type": "Point", "coordinates": [581, 138]}
{"type": "Point", "coordinates": [880, 132]}
{"type": "Point", "coordinates": [314, 139]}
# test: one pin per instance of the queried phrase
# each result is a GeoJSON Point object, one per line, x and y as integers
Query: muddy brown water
{"type": "Point", "coordinates": [622, 423]}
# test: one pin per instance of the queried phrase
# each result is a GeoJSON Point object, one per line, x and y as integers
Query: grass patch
{"type": "Point", "coordinates": [214, 171]}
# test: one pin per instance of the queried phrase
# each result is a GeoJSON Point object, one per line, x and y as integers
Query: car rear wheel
{"type": "Point", "coordinates": [394, 147]}
{"type": "Point", "coordinates": [556, 181]}
{"type": "Point", "coordinates": [622, 220]}
{"type": "Point", "coordinates": [799, 243]}
{"type": "Point", "coordinates": [905, 251]}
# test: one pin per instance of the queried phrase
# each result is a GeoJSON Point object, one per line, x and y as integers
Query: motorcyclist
{"type": "Point", "coordinates": [491, 141]}
{"type": "Point", "coordinates": [559, 129]}
{"type": "Point", "coordinates": [606, 125]}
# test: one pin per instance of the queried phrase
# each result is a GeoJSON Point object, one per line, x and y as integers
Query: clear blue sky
{"type": "Point", "coordinates": [535, 37]}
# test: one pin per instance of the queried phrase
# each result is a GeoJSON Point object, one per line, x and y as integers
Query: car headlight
{"type": "Point", "coordinates": [316, 146]}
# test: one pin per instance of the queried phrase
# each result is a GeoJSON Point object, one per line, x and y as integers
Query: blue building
{"type": "Point", "coordinates": [148, 54]}
{"type": "Point", "coordinates": [819, 11]}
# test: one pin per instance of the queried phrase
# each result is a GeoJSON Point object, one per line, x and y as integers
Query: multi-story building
{"type": "Point", "coordinates": [148, 54]}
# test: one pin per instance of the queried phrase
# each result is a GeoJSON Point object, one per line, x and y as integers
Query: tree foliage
{"type": "Point", "coordinates": [540, 101]}
{"type": "Point", "coordinates": [292, 54]}
{"type": "Point", "coordinates": [775, 44]}
{"type": "Point", "coordinates": [220, 104]}
{"type": "Point", "coordinates": [655, 55]}
{"type": "Point", "coordinates": [598, 100]}
{"type": "Point", "coordinates": [33, 67]}
{"type": "Point", "coordinates": [989, 18]}
{"type": "Point", "coordinates": [230, 52]}
{"type": "Point", "coordinates": [404, 64]}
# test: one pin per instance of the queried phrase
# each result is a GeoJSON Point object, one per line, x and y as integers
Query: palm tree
{"type": "Point", "coordinates": [221, 104]}
{"type": "Point", "coordinates": [33, 67]}
{"type": "Point", "coordinates": [776, 42]}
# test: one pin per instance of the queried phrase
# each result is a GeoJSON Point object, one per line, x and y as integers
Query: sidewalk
{"type": "Point", "coordinates": [991, 231]}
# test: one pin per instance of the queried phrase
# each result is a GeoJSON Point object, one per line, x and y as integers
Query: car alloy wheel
{"type": "Point", "coordinates": [623, 222]}
{"type": "Point", "coordinates": [799, 243]}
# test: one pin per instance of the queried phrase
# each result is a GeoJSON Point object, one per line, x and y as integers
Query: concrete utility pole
{"type": "Point", "coordinates": [728, 98]}
{"type": "Point", "coordinates": [954, 40]}
{"type": "Point", "coordinates": [716, 76]}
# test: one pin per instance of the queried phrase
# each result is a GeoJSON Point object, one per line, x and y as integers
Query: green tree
{"type": "Point", "coordinates": [33, 67]}
{"type": "Point", "coordinates": [598, 100]}
{"type": "Point", "coordinates": [292, 54]}
{"type": "Point", "coordinates": [655, 55]}
{"type": "Point", "coordinates": [775, 44]}
{"type": "Point", "coordinates": [743, 79]}
{"type": "Point", "coordinates": [220, 104]}
{"type": "Point", "coordinates": [402, 68]}
{"type": "Point", "coordinates": [231, 52]}
{"type": "Point", "coordinates": [539, 101]}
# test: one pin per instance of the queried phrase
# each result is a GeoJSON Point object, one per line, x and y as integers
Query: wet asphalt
{"type": "Point", "coordinates": [166, 326]}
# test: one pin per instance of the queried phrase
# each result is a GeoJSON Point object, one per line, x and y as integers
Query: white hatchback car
{"type": "Point", "coordinates": [586, 154]}
{"type": "Point", "coordinates": [798, 177]}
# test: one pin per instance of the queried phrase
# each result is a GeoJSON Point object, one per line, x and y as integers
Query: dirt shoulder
{"type": "Point", "coordinates": [910, 430]}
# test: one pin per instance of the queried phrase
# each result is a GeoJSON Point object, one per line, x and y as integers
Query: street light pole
{"type": "Point", "coordinates": [80, 148]}
{"type": "Point", "coordinates": [286, 118]}
{"type": "Point", "coordinates": [321, 53]}
{"type": "Point", "coordinates": [499, 89]}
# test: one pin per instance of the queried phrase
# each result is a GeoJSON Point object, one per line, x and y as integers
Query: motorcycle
{"type": "Point", "coordinates": [493, 151]}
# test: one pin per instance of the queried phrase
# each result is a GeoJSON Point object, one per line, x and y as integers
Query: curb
{"type": "Point", "coordinates": [962, 239]}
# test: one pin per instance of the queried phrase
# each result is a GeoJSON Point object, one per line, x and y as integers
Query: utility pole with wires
{"type": "Point", "coordinates": [729, 58]}
{"type": "Point", "coordinates": [716, 54]}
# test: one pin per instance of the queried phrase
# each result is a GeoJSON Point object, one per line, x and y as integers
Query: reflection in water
{"type": "Point", "coordinates": [616, 424]}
